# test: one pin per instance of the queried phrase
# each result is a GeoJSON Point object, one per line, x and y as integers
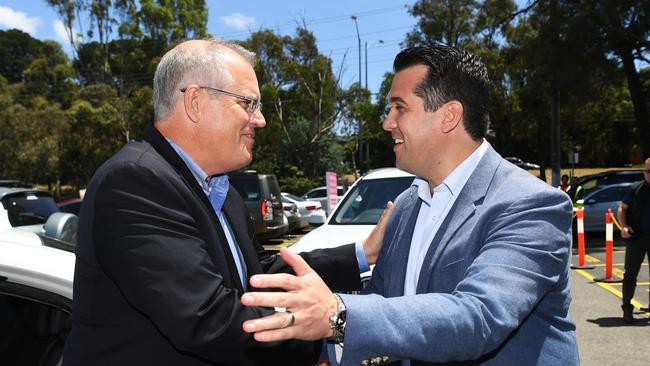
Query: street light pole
{"type": "Point", "coordinates": [359, 132]}
{"type": "Point", "coordinates": [368, 44]}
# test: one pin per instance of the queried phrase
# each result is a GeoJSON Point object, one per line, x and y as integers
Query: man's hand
{"type": "Point", "coordinates": [373, 243]}
{"type": "Point", "coordinates": [627, 232]}
{"type": "Point", "coordinates": [308, 300]}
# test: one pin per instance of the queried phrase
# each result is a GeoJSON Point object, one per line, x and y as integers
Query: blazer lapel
{"type": "Point", "coordinates": [234, 215]}
{"type": "Point", "coordinates": [160, 144]}
{"type": "Point", "coordinates": [400, 251]}
{"type": "Point", "coordinates": [464, 207]}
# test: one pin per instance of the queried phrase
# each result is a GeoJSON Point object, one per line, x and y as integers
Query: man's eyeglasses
{"type": "Point", "coordinates": [252, 104]}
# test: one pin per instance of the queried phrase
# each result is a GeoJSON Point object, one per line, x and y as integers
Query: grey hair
{"type": "Point", "coordinates": [182, 66]}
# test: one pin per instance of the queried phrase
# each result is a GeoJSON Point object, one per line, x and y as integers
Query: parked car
{"type": "Point", "coordinates": [319, 194]}
{"type": "Point", "coordinates": [310, 209]}
{"type": "Point", "coordinates": [35, 299]}
{"type": "Point", "coordinates": [589, 183]}
{"type": "Point", "coordinates": [261, 193]}
{"type": "Point", "coordinates": [597, 202]}
{"type": "Point", "coordinates": [294, 219]}
{"type": "Point", "coordinates": [72, 205]}
{"type": "Point", "coordinates": [36, 211]}
{"type": "Point", "coordinates": [522, 164]}
{"type": "Point", "coordinates": [358, 211]}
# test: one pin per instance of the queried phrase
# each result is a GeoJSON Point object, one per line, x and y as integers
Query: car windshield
{"type": "Point", "coordinates": [294, 197]}
{"type": "Point", "coordinates": [367, 200]}
{"type": "Point", "coordinates": [29, 208]}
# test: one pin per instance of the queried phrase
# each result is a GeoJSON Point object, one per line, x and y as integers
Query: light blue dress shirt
{"type": "Point", "coordinates": [433, 211]}
{"type": "Point", "coordinates": [208, 184]}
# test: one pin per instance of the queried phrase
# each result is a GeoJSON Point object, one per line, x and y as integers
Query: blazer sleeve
{"type": "Point", "coordinates": [525, 251]}
{"type": "Point", "coordinates": [338, 267]}
{"type": "Point", "coordinates": [148, 244]}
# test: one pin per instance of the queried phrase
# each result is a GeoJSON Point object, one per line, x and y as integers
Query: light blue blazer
{"type": "Point", "coordinates": [493, 289]}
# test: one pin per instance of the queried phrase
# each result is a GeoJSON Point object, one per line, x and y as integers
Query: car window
{"type": "Point", "coordinates": [610, 195]}
{"type": "Point", "coordinates": [319, 193]}
{"type": "Point", "coordinates": [31, 331]}
{"type": "Point", "coordinates": [295, 198]}
{"type": "Point", "coordinates": [248, 189]}
{"type": "Point", "coordinates": [367, 200]}
{"type": "Point", "coordinates": [29, 208]}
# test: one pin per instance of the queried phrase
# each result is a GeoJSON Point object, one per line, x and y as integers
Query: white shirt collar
{"type": "Point", "coordinates": [457, 179]}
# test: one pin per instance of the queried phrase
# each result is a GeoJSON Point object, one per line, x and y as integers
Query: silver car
{"type": "Point", "coordinates": [598, 201]}
{"type": "Point", "coordinates": [312, 210]}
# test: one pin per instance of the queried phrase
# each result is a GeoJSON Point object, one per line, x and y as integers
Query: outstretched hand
{"type": "Point", "coordinates": [308, 301]}
{"type": "Point", "coordinates": [374, 242]}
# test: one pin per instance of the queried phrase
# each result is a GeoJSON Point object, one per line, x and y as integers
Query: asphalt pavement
{"type": "Point", "coordinates": [603, 338]}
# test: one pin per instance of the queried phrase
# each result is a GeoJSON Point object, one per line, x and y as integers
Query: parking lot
{"type": "Point", "coordinates": [596, 309]}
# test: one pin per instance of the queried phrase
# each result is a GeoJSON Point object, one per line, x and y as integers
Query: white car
{"type": "Point", "coordinates": [295, 219]}
{"type": "Point", "coordinates": [313, 210]}
{"type": "Point", "coordinates": [358, 211]}
{"type": "Point", "coordinates": [319, 194]}
{"type": "Point", "coordinates": [35, 211]}
{"type": "Point", "coordinates": [35, 298]}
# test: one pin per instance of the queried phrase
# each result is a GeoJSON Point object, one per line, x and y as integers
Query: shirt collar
{"type": "Point", "coordinates": [201, 176]}
{"type": "Point", "coordinates": [457, 179]}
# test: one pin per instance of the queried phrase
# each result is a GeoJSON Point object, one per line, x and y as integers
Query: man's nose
{"type": "Point", "coordinates": [258, 119]}
{"type": "Point", "coordinates": [388, 123]}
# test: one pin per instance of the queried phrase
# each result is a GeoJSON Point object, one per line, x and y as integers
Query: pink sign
{"type": "Point", "coordinates": [332, 192]}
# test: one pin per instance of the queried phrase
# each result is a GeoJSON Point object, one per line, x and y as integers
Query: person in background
{"type": "Point", "coordinates": [634, 217]}
{"type": "Point", "coordinates": [472, 271]}
{"type": "Point", "coordinates": [564, 183]}
{"type": "Point", "coordinates": [166, 245]}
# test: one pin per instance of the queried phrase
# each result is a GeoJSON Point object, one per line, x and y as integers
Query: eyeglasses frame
{"type": "Point", "coordinates": [253, 106]}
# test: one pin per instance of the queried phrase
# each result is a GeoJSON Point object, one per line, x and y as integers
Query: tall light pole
{"type": "Point", "coordinates": [368, 44]}
{"type": "Point", "coordinates": [360, 136]}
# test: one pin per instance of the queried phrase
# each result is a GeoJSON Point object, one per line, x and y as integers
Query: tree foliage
{"type": "Point", "coordinates": [61, 118]}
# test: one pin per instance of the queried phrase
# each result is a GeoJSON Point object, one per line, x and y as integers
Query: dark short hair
{"type": "Point", "coordinates": [453, 74]}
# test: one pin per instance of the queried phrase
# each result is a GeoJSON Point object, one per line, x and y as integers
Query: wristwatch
{"type": "Point", "coordinates": [337, 322]}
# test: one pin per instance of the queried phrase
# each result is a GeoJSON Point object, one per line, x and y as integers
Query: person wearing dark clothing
{"type": "Point", "coordinates": [166, 245]}
{"type": "Point", "coordinates": [634, 216]}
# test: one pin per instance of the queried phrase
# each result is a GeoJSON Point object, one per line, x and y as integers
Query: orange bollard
{"type": "Point", "coordinates": [609, 249]}
{"type": "Point", "coordinates": [580, 220]}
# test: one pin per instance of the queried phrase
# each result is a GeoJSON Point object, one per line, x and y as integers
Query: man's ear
{"type": "Point", "coordinates": [192, 103]}
{"type": "Point", "coordinates": [453, 115]}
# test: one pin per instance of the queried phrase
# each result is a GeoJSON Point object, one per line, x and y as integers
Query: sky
{"type": "Point", "coordinates": [387, 21]}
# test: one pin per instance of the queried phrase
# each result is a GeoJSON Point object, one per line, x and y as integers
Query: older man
{"type": "Point", "coordinates": [472, 271]}
{"type": "Point", "coordinates": [166, 245]}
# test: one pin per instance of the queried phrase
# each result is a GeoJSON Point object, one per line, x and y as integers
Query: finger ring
{"type": "Point", "coordinates": [293, 319]}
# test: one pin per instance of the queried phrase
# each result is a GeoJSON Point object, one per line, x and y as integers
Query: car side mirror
{"type": "Point", "coordinates": [62, 226]}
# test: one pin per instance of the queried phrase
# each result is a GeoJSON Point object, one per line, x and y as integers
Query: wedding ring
{"type": "Point", "coordinates": [292, 321]}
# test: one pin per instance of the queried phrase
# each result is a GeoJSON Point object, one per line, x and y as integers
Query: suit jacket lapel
{"type": "Point", "coordinates": [160, 144]}
{"type": "Point", "coordinates": [234, 215]}
{"type": "Point", "coordinates": [400, 251]}
{"type": "Point", "coordinates": [464, 207]}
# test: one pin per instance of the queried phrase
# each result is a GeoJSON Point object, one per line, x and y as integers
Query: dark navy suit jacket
{"type": "Point", "coordinates": [155, 282]}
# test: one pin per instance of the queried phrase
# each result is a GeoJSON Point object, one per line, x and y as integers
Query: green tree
{"type": "Point", "coordinates": [301, 106]}
{"type": "Point", "coordinates": [17, 50]}
{"type": "Point", "coordinates": [97, 134]}
{"type": "Point", "coordinates": [624, 26]}
{"type": "Point", "coordinates": [51, 76]}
